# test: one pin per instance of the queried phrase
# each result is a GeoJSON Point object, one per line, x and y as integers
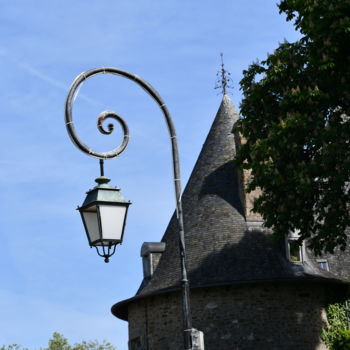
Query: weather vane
{"type": "Point", "coordinates": [224, 80]}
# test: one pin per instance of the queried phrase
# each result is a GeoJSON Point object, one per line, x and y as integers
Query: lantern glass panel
{"type": "Point", "coordinates": [91, 223]}
{"type": "Point", "coordinates": [112, 221]}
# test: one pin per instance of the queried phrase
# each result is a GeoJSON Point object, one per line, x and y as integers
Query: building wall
{"type": "Point", "coordinates": [338, 263]}
{"type": "Point", "coordinates": [251, 317]}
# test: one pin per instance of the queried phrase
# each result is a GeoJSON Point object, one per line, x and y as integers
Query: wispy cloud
{"type": "Point", "coordinates": [44, 77]}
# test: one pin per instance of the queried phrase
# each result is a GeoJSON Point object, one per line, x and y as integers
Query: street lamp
{"type": "Point", "coordinates": [93, 210]}
{"type": "Point", "coordinates": [104, 213]}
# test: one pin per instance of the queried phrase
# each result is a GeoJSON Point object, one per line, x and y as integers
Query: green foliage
{"type": "Point", "coordinates": [342, 342]}
{"type": "Point", "coordinates": [59, 342]}
{"type": "Point", "coordinates": [296, 109]}
{"type": "Point", "coordinates": [11, 347]}
{"type": "Point", "coordinates": [337, 333]}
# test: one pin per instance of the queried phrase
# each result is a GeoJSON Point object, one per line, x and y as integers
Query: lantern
{"type": "Point", "coordinates": [104, 214]}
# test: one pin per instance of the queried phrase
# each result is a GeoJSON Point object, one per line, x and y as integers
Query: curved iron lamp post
{"type": "Point", "coordinates": [191, 336]}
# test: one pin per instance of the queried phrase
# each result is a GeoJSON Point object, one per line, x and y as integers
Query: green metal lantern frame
{"type": "Point", "coordinates": [103, 195]}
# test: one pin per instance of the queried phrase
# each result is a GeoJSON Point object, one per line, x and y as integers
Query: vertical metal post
{"type": "Point", "coordinates": [102, 171]}
{"type": "Point", "coordinates": [185, 289]}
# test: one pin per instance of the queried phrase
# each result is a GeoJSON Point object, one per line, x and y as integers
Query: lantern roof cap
{"type": "Point", "coordinates": [103, 180]}
{"type": "Point", "coordinates": [104, 192]}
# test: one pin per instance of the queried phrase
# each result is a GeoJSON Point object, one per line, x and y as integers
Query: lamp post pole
{"type": "Point", "coordinates": [189, 333]}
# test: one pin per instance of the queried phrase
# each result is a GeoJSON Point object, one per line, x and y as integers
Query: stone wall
{"type": "Point", "coordinates": [338, 263]}
{"type": "Point", "coordinates": [251, 317]}
{"type": "Point", "coordinates": [247, 198]}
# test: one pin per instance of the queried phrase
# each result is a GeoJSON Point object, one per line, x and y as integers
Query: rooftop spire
{"type": "Point", "coordinates": [223, 78]}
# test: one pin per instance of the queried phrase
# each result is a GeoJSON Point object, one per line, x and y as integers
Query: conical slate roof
{"type": "Point", "coordinates": [221, 248]}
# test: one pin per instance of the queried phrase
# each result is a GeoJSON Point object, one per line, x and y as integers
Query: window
{"type": "Point", "coordinates": [295, 253]}
{"type": "Point", "coordinates": [293, 249]}
{"type": "Point", "coordinates": [323, 264]}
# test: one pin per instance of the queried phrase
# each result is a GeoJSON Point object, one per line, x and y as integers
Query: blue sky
{"type": "Point", "coordinates": [50, 279]}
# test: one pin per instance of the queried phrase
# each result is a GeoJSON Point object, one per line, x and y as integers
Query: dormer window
{"type": "Point", "coordinates": [323, 264]}
{"type": "Point", "coordinates": [293, 248]}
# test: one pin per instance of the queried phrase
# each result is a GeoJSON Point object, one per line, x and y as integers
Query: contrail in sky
{"type": "Point", "coordinates": [36, 73]}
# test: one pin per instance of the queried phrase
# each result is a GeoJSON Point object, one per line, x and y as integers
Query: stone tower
{"type": "Point", "coordinates": [247, 290]}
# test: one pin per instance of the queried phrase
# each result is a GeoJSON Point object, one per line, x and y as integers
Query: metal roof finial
{"type": "Point", "coordinates": [223, 78]}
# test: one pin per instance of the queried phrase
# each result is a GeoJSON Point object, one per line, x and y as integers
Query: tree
{"type": "Point", "coordinates": [336, 334]}
{"type": "Point", "coordinates": [59, 342]}
{"type": "Point", "coordinates": [296, 108]}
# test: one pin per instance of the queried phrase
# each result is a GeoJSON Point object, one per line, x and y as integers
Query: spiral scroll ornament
{"type": "Point", "coordinates": [101, 118]}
